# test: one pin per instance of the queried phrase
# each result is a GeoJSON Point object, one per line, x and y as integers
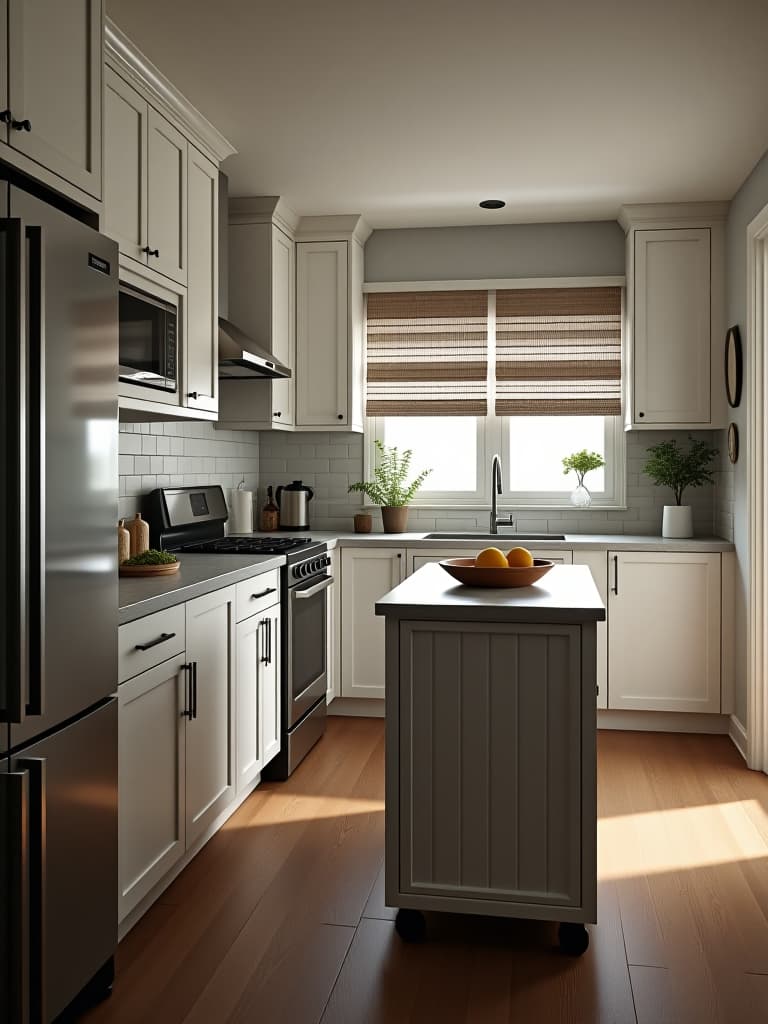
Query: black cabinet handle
{"type": "Point", "coordinates": [154, 643]}
{"type": "Point", "coordinates": [150, 252]}
{"type": "Point", "coordinates": [6, 116]}
{"type": "Point", "coordinates": [187, 712]}
{"type": "Point", "coordinates": [264, 658]}
{"type": "Point", "coordinates": [269, 640]}
{"type": "Point", "coordinates": [194, 690]}
{"type": "Point", "coordinates": [340, 416]}
{"type": "Point", "coordinates": [269, 590]}
{"type": "Point", "coordinates": [197, 394]}
{"type": "Point", "coordinates": [22, 126]}
{"type": "Point", "coordinates": [641, 414]}
{"type": "Point", "coordinates": [277, 414]}
{"type": "Point", "coordinates": [615, 587]}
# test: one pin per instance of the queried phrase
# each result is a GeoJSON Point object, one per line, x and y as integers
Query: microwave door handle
{"type": "Point", "coordinates": [302, 595]}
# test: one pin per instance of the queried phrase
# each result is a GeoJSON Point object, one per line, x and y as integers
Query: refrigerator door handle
{"type": "Point", "coordinates": [14, 805]}
{"type": "Point", "coordinates": [35, 769]}
{"type": "Point", "coordinates": [14, 668]}
{"type": "Point", "coordinates": [35, 474]}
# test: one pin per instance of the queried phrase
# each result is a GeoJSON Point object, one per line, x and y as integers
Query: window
{"type": "Point", "coordinates": [550, 351]}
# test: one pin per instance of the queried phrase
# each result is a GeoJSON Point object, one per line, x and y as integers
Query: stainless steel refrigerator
{"type": "Point", "coordinates": [58, 634]}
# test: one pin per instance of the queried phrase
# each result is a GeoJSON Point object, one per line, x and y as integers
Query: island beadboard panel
{"type": "Point", "coordinates": [330, 462]}
{"type": "Point", "coordinates": [181, 455]}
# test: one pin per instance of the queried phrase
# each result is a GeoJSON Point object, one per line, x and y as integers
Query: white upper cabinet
{"type": "Point", "coordinates": [674, 316]}
{"type": "Point", "coordinates": [283, 322]}
{"type": "Point", "coordinates": [53, 102]}
{"type": "Point", "coordinates": [166, 198]}
{"type": "Point", "coordinates": [322, 338]}
{"type": "Point", "coordinates": [125, 166]}
{"type": "Point", "coordinates": [201, 388]}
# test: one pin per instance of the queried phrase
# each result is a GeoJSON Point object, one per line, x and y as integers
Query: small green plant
{"type": "Point", "coordinates": [388, 487]}
{"type": "Point", "coordinates": [152, 557]}
{"type": "Point", "coordinates": [670, 466]}
{"type": "Point", "coordinates": [581, 463]}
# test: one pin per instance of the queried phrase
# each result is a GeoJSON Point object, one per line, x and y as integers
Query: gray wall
{"type": "Point", "coordinates": [591, 248]}
{"type": "Point", "coordinates": [182, 455]}
{"type": "Point", "coordinates": [745, 205]}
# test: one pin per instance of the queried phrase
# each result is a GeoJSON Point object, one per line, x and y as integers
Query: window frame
{"type": "Point", "coordinates": [492, 430]}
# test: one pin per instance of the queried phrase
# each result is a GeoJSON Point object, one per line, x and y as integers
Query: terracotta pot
{"type": "Point", "coordinates": [363, 522]}
{"type": "Point", "coordinates": [395, 518]}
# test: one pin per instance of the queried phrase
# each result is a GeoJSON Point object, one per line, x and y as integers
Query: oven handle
{"type": "Point", "coordinates": [300, 594]}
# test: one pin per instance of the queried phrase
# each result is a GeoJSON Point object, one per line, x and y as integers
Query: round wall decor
{"type": "Point", "coordinates": [733, 442]}
{"type": "Point", "coordinates": [733, 366]}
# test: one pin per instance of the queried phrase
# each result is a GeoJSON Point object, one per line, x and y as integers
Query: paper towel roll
{"type": "Point", "coordinates": [240, 511]}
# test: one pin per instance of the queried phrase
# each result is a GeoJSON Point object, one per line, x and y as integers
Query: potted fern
{"type": "Point", "coordinates": [670, 466]}
{"type": "Point", "coordinates": [389, 487]}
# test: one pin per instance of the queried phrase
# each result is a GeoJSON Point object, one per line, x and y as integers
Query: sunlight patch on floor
{"type": "Point", "coordinates": [306, 808]}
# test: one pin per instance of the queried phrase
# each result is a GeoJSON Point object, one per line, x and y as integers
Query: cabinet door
{"type": "Point", "coordinates": [269, 685]}
{"type": "Point", "coordinates": [151, 779]}
{"type": "Point", "coordinates": [672, 352]}
{"type": "Point", "coordinates": [664, 631]}
{"type": "Point", "coordinates": [125, 166]}
{"type": "Point", "coordinates": [366, 575]}
{"type": "Point", "coordinates": [54, 83]}
{"type": "Point", "coordinates": [322, 327]}
{"type": "Point", "coordinates": [249, 647]}
{"type": "Point", "coordinates": [202, 349]}
{"type": "Point", "coordinates": [210, 758]}
{"type": "Point", "coordinates": [597, 562]}
{"type": "Point", "coordinates": [166, 198]}
{"type": "Point", "coordinates": [283, 322]}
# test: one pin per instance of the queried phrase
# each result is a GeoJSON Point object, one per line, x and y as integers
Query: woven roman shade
{"type": "Point", "coordinates": [558, 352]}
{"type": "Point", "coordinates": [427, 353]}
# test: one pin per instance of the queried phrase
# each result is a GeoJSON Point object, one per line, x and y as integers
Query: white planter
{"type": "Point", "coordinates": [677, 521]}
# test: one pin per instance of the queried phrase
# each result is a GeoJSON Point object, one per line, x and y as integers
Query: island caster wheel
{"type": "Point", "coordinates": [410, 925]}
{"type": "Point", "coordinates": [573, 938]}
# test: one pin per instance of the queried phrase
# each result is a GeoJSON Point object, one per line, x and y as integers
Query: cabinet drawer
{"type": "Point", "coordinates": [257, 593]}
{"type": "Point", "coordinates": [149, 641]}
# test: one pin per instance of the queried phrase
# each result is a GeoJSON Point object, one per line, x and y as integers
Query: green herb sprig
{"type": "Point", "coordinates": [152, 557]}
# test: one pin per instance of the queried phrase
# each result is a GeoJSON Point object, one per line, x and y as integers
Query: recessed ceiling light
{"type": "Point", "coordinates": [493, 204]}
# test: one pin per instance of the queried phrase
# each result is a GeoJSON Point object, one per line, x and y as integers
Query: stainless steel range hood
{"type": "Point", "coordinates": [242, 358]}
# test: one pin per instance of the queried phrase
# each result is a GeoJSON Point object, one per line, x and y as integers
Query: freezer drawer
{"type": "Point", "coordinates": [61, 862]}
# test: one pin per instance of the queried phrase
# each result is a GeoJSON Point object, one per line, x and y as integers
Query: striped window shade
{"type": "Point", "coordinates": [558, 352]}
{"type": "Point", "coordinates": [427, 353]}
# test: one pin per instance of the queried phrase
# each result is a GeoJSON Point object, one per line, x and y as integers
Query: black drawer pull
{"type": "Point", "coordinates": [22, 126]}
{"type": "Point", "coordinates": [269, 590]}
{"type": "Point", "coordinates": [150, 252]}
{"type": "Point", "coordinates": [153, 643]}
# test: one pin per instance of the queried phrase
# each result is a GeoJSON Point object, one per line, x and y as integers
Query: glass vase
{"type": "Point", "coordinates": [580, 497]}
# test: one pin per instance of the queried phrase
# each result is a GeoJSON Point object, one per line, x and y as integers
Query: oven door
{"type": "Point", "coordinates": [306, 647]}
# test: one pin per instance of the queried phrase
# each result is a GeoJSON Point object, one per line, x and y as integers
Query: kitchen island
{"type": "Point", "coordinates": [490, 757]}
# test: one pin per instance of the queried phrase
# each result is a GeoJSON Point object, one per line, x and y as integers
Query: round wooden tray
{"type": "Point", "coordinates": [465, 571]}
{"type": "Point", "coordinates": [150, 570]}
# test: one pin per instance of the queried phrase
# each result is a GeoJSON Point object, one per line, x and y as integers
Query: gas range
{"type": "Point", "coordinates": [246, 544]}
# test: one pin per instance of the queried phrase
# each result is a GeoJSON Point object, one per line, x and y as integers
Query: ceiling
{"type": "Point", "coordinates": [412, 111]}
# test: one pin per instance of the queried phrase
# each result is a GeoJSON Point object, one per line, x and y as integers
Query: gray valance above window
{"type": "Point", "coordinates": [427, 353]}
{"type": "Point", "coordinates": [558, 352]}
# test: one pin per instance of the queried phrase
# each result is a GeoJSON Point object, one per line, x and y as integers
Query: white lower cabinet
{"type": "Point", "coordinates": [258, 693]}
{"type": "Point", "coordinates": [664, 628]}
{"type": "Point", "coordinates": [210, 756]}
{"type": "Point", "coordinates": [366, 575]}
{"type": "Point", "coordinates": [152, 746]}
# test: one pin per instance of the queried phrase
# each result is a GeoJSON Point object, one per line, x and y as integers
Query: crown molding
{"type": "Point", "coordinates": [130, 63]}
{"type": "Point", "coordinates": [663, 214]}
{"type": "Point", "coordinates": [263, 210]}
{"type": "Point", "coordinates": [343, 227]}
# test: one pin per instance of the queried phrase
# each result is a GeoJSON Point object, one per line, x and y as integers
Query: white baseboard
{"type": "Point", "coordinates": [135, 915]}
{"type": "Point", "coordinates": [663, 721]}
{"type": "Point", "coordinates": [738, 735]}
{"type": "Point", "coordinates": [357, 707]}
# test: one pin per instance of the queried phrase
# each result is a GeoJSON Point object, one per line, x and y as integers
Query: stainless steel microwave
{"type": "Point", "coordinates": [148, 340]}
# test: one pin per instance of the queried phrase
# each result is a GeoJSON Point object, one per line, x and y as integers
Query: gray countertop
{"type": "Point", "coordinates": [197, 575]}
{"type": "Point", "coordinates": [567, 594]}
{"type": "Point", "coordinates": [574, 541]}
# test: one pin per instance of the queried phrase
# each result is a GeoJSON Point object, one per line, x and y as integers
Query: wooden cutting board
{"type": "Point", "coordinates": [150, 570]}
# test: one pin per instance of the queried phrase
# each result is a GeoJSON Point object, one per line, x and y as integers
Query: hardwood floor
{"type": "Point", "coordinates": [281, 918]}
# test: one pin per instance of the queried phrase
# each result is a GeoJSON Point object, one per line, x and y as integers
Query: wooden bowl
{"type": "Point", "coordinates": [167, 569]}
{"type": "Point", "coordinates": [465, 571]}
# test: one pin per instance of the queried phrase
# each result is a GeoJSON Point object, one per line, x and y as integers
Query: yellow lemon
{"type": "Point", "coordinates": [519, 558]}
{"type": "Point", "coordinates": [491, 558]}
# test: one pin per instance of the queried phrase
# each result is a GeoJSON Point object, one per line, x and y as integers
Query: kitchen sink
{"type": "Point", "coordinates": [495, 536]}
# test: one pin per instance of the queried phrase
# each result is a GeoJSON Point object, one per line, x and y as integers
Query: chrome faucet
{"type": "Point", "coordinates": [496, 488]}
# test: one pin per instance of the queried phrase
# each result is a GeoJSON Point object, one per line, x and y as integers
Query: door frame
{"type": "Point", "coordinates": [757, 451]}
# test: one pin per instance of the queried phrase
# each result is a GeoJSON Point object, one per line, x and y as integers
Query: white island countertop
{"type": "Point", "coordinates": [567, 594]}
